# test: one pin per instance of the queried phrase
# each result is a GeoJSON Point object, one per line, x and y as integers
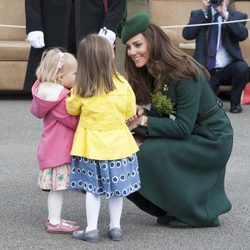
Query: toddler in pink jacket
{"type": "Point", "coordinates": [55, 76]}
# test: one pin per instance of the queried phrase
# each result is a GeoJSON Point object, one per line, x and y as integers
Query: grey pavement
{"type": "Point", "coordinates": [23, 205]}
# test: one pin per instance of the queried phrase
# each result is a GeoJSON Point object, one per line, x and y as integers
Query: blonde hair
{"type": "Point", "coordinates": [53, 63]}
{"type": "Point", "coordinates": [96, 67]}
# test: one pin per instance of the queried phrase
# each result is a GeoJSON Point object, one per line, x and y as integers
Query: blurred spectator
{"type": "Point", "coordinates": [217, 46]}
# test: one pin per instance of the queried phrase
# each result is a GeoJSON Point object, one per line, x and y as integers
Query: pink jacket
{"type": "Point", "coordinates": [58, 129]}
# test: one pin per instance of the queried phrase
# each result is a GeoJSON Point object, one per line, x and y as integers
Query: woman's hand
{"type": "Point", "coordinates": [137, 121]}
{"type": "Point", "coordinates": [140, 110]}
{"type": "Point", "coordinates": [133, 122]}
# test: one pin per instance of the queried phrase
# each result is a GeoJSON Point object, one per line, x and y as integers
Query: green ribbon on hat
{"type": "Point", "coordinates": [135, 25]}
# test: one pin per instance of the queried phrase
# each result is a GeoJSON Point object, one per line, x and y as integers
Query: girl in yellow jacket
{"type": "Point", "coordinates": [104, 150]}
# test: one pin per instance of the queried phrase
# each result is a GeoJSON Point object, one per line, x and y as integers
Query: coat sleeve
{"type": "Point", "coordinates": [61, 115]}
{"type": "Point", "coordinates": [34, 109]}
{"type": "Point", "coordinates": [33, 13]}
{"type": "Point", "coordinates": [131, 104]}
{"type": "Point", "coordinates": [73, 104]}
{"type": "Point", "coordinates": [188, 94]}
{"type": "Point", "coordinates": [114, 15]}
{"type": "Point", "coordinates": [238, 31]}
{"type": "Point", "coordinates": [196, 17]}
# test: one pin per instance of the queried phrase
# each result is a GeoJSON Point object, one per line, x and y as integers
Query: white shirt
{"type": "Point", "coordinates": [223, 58]}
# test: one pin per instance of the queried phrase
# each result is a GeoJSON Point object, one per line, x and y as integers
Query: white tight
{"type": "Point", "coordinates": [55, 202]}
{"type": "Point", "coordinates": [115, 211]}
{"type": "Point", "coordinates": [93, 204]}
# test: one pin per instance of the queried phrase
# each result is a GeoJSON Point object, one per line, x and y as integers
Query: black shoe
{"type": "Point", "coordinates": [171, 221]}
{"type": "Point", "coordinates": [178, 224]}
{"type": "Point", "coordinates": [91, 236]}
{"type": "Point", "coordinates": [115, 234]}
{"type": "Point", "coordinates": [235, 108]}
{"type": "Point", "coordinates": [165, 219]}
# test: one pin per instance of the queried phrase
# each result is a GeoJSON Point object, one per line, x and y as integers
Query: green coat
{"type": "Point", "coordinates": [182, 164]}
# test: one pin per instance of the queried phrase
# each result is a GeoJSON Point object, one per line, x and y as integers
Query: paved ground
{"type": "Point", "coordinates": [23, 206]}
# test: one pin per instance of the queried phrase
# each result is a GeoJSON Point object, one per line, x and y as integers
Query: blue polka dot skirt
{"type": "Point", "coordinates": [110, 178]}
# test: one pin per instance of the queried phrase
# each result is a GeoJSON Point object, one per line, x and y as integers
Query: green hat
{"type": "Point", "coordinates": [135, 25]}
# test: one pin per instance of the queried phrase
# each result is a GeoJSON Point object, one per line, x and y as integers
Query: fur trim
{"type": "Point", "coordinates": [49, 91]}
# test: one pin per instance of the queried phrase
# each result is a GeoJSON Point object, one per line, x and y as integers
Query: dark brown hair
{"type": "Point", "coordinates": [96, 66]}
{"type": "Point", "coordinates": [166, 61]}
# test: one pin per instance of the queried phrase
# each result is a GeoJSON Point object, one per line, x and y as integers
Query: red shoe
{"type": "Point", "coordinates": [70, 222]}
{"type": "Point", "coordinates": [62, 227]}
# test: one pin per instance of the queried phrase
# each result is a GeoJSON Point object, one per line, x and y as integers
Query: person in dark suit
{"type": "Point", "coordinates": [63, 23]}
{"type": "Point", "coordinates": [219, 50]}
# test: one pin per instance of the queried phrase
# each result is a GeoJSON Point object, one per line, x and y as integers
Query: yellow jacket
{"type": "Point", "coordinates": [102, 133]}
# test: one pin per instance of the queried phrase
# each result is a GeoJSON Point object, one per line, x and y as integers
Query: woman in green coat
{"type": "Point", "coordinates": [187, 137]}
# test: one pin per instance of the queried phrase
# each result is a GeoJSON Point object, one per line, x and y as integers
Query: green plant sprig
{"type": "Point", "coordinates": [162, 104]}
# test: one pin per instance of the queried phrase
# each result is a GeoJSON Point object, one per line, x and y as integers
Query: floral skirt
{"type": "Point", "coordinates": [54, 178]}
{"type": "Point", "coordinates": [110, 178]}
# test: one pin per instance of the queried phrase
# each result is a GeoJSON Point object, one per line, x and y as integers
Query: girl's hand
{"type": "Point", "coordinates": [133, 122]}
{"type": "Point", "coordinates": [137, 121]}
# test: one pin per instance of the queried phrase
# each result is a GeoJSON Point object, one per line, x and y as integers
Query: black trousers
{"type": "Point", "coordinates": [236, 74]}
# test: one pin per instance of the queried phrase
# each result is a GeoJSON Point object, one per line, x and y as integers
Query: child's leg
{"type": "Point", "coordinates": [93, 204]}
{"type": "Point", "coordinates": [115, 211]}
{"type": "Point", "coordinates": [55, 202]}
